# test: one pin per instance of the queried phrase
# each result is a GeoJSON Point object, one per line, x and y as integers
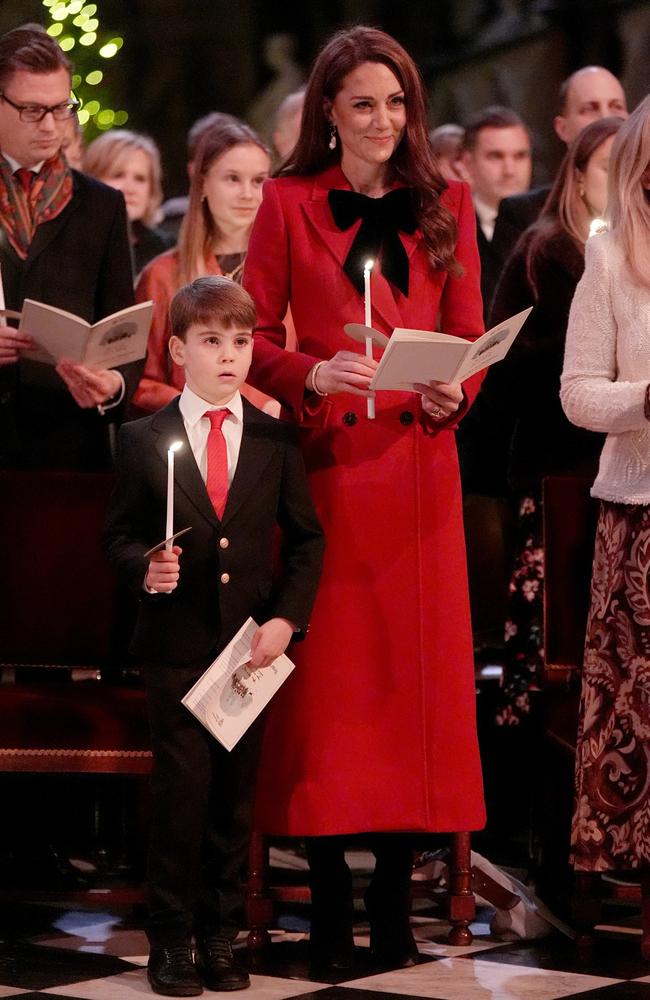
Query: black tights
{"type": "Point", "coordinates": [330, 879]}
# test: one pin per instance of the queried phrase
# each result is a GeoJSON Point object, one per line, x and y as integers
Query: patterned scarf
{"type": "Point", "coordinates": [20, 213]}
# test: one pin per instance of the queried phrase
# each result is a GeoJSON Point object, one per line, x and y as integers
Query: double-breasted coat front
{"type": "Point", "coordinates": [375, 729]}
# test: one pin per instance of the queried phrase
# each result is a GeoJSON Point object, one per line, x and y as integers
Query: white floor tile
{"type": "Point", "coordinates": [129, 985]}
{"type": "Point", "coordinates": [120, 944]}
{"type": "Point", "coordinates": [464, 979]}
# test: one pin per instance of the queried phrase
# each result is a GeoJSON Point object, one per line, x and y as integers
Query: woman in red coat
{"type": "Point", "coordinates": [375, 730]}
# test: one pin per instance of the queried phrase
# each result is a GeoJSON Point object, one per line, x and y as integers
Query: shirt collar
{"type": "Point", "coordinates": [487, 216]}
{"type": "Point", "coordinates": [193, 407]}
{"type": "Point", "coordinates": [15, 165]}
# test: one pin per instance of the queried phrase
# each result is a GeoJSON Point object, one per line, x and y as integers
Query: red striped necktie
{"type": "Point", "coordinates": [25, 178]}
{"type": "Point", "coordinates": [217, 479]}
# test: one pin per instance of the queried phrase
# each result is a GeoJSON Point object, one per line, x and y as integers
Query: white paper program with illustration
{"type": "Point", "coordinates": [229, 696]}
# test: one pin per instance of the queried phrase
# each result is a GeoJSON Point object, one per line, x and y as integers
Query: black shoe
{"type": "Point", "coordinates": [217, 966]}
{"type": "Point", "coordinates": [171, 972]}
{"type": "Point", "coordinates": [331, 956]}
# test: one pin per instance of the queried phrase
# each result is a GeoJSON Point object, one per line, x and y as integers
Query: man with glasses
{"type": "Point", "coordinates": [63, 241]}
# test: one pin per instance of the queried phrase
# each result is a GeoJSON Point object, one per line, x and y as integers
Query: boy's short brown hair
{"type": "Point", "coordinates": [208, 299]}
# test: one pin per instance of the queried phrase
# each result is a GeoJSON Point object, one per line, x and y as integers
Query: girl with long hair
{"type": "Point", "coordinates": [374, 733]}
{"type": "Point", "coordinates": [515, 435]}
{"type": "Point", "coordinates": [231, 166]}
{"type": "Point", "coordinates": [517, 432]}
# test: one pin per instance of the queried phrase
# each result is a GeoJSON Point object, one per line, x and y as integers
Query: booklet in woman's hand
{"type": "Point", "coordinates": [423, 356]}
{"type": "Point", "coordinates": [116, 340]}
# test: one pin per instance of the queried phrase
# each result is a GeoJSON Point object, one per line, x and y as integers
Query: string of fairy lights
{"type": "Point", "coordinates": [76, 26]}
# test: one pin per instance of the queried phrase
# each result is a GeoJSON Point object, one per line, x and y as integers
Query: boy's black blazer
{"type": "Point", "coordinates": [230, 568]}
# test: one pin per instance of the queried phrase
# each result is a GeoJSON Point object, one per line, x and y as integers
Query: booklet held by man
{"type": "Point", "coordinates": [115, 340]}
{"type": "Point", "coordinates": [423, 356]}
{"type": "Point", "coordinates": [230, 695]}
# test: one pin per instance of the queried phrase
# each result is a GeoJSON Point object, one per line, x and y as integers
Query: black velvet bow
{"type": "Point", "coordinates": [382, 218]}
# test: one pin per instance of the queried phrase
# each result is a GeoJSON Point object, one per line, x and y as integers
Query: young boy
{"type": "Point", "coordinates": [233, 486]}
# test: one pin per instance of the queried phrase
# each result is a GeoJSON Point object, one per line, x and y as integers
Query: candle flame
{"type": "Point", "coordinates": [368, 266]}
{"type": "Point", "coordinates": [176, 445]}
{"type": "Point", "coordinates": [597, 226]}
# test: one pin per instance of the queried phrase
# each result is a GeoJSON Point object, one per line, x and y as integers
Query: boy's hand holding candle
{"type": "Point", "coordinates": [164, 570]}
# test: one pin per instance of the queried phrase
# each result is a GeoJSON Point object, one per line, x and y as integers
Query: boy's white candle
{"type": "Point", "coordinates": [2, 292]}
{"type": "Point", "coordinates": [169, 524]}
{"type": "Point", "coordinates": [367, 302]}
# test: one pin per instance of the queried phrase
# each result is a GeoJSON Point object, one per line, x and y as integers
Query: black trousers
{"type": "Point", "coordinates": [202, 799]}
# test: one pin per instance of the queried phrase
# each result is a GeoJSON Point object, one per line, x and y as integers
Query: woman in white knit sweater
{"type": "Point", "coordinates": [606, 387]}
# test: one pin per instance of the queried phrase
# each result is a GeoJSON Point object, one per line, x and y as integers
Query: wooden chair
{"type": "Point", "coordinates": [58, 713]}
{"type": "Point", "coordinates": [262, 894]}
{"type": "Point", "coordinates": [464, 882]}
{"type": "Point", "coordinates": [570, 516]}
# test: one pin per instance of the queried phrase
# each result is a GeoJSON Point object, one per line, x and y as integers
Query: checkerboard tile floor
{"type": "Point", "coordinates": [48, 952]}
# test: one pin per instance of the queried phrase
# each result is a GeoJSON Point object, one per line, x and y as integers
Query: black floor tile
{"type": "Point", "coordinates": [30, 967]}
{"type": "Point", "coordinates": [614, 958]}
{"type": "Point", "coordinates": [349, 993]}
{"type": "Point", "coordinates": [38, 995]}
{"type": "Point", "coordinates": [619, 991]}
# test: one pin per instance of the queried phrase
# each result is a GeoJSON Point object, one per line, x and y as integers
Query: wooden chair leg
{"type": "Point", "coordinates": [645, 915]}
{"type": "Point", "coordinates": [259, 905]}
{"type": "Point", "coordinates": [462, 906]}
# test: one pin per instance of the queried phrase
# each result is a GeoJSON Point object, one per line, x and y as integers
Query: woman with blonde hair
{"type": "Point", "coordinates": [606, 388]}
{"type": "Point", "coordinates": [231, 166]}
{"type": "Point", "coordinates": [130, 163]}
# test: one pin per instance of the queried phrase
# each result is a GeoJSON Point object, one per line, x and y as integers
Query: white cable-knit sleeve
{"type": "Point", "coordinates": [590, 393]}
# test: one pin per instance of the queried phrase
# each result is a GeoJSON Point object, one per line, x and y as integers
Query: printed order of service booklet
{"type": "Point", "coordinates": [229, 696]}
{"type": "Point", "coordinates": [116, 340]}
{"type": "Point", "coordinates": [421, 355]}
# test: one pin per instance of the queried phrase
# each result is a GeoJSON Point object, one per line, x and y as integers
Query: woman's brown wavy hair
{"type": "Point", "coordinates": [412, 163]}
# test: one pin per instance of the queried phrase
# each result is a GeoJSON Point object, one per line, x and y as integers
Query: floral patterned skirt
{"type": "Point", "coordinates": [611, 822]}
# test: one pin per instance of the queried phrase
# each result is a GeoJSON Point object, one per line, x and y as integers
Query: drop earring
{"type": "Point", "coordinates": [332, 143]}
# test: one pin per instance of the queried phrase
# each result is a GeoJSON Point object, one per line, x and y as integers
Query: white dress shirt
{"type": "Point", "coordinates": [197, 428]}
{"type": "Point", "coordinates": [487, 217]}
{"type": "Point", "coordinates": [15, 165]}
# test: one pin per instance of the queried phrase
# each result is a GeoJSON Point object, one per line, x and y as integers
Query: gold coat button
{"type": "Point", "coordinates": [225, 577]}
{"type": "Point", "coordinates": [224, 543]}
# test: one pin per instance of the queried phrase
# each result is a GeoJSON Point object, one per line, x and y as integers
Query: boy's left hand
{"type": "Point", "coordinates": [270, 641]}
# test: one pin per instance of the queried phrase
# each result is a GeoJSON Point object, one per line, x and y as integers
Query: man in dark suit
{"type": "Point", "coordinates": [238, 475]}
{"type": "Point", "coordinates": [497, 160]}
{"type": "Point", "coordinates": [590, 93]}
{"type": "Point", "coordinates": [63, 241]}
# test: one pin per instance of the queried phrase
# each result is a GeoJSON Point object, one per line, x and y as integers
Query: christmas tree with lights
{"type": "Point", "coordinates": [75, 25]}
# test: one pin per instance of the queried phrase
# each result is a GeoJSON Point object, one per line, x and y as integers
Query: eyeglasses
{"type": "Point", "coordinates": [37, 112]}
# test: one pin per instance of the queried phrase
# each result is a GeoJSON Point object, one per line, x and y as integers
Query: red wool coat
{"type": "Point", "coordinates": [375, 730]}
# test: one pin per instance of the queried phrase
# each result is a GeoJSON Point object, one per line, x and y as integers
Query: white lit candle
{"type": "Point", "coordinates": [2, 292]}
{"type": "Point", "coordinates": [169, 524]}
{"type": "Point", "coordinates": [367, 302]}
